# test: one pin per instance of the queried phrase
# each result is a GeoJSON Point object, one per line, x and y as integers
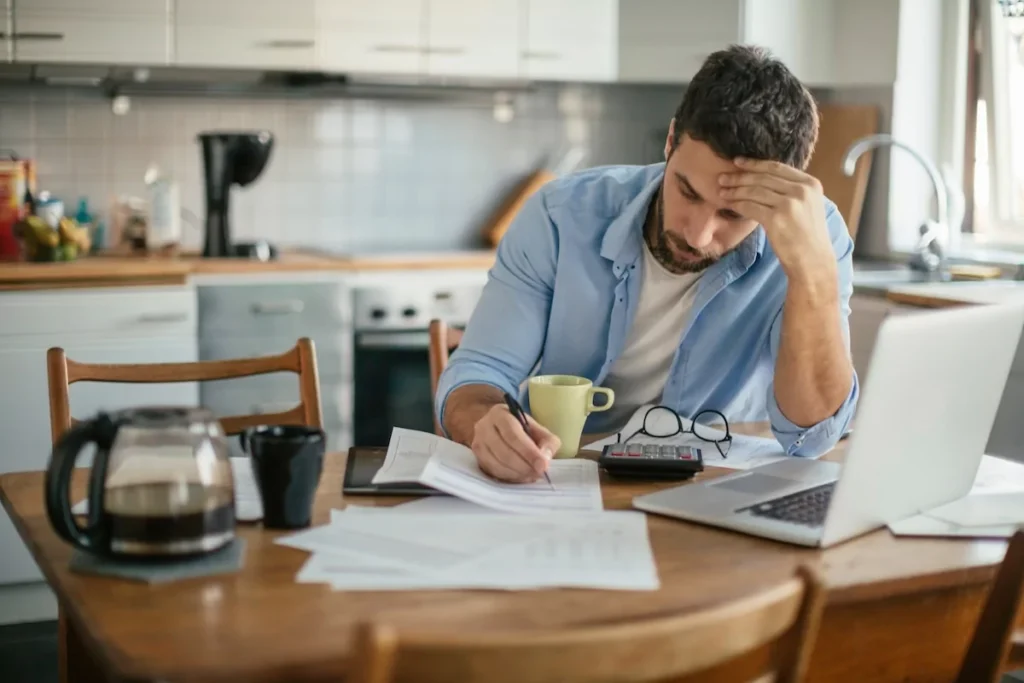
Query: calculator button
{"type": "Point", "coordinates": [617, 451]}
{"type": "Point", "coordinates": [684, 455]}
{"type": "Point", "coordinates": [668, 452]}
{"type": "Point", "coordinates": [650, 451]}
{"type": "Point", "coordinates": [634, 449]}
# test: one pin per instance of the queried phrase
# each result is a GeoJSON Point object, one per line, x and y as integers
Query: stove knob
{"type": "Point", "coordinates": [409, 312]}
{"type": "Point", "coordinates": [378, 313]}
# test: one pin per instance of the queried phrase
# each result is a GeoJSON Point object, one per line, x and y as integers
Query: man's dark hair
{"type": "Point", "coordinates": [744, 102]}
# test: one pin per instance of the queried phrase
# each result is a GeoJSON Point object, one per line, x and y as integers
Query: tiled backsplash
{"type": "Point", "coordinates": [345, 174]}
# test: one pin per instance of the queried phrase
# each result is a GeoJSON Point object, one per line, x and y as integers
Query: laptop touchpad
{"type": "Point", "coordinates": [754, 484]}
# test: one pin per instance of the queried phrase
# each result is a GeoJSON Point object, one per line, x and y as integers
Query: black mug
{"type": "Point", "coordinates": [287, 461]}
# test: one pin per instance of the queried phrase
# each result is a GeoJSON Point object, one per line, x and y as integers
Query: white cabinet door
{"type": "Point", "coordinates": [108, 31]}
{"type": "Point", "coordinates": [246, 33]}
{"type": "Point", "coordinates": [666, 41]}
{"type": "Point", "coordinates": [571, 40]}
{"type": "Point", "coordinates": [798, 32]}
{"type": "Point", "coordinates": [25, 414]}
{"type": "Point", "coordinates": [473, 38]}
{"type": "Point", "coordinates": [383, 37]}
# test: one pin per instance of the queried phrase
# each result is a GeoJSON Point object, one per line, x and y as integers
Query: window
{"type": "Point", "coordinates": [995, 185]}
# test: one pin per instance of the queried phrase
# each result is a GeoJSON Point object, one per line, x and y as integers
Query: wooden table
{"type": "Point", "coordinates": [899, 609]}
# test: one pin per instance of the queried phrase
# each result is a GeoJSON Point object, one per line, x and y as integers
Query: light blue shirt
{"type": "Point", "coordinates": [565, 286]}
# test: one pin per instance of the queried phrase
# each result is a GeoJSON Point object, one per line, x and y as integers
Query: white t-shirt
{"type": "Point", "coordinates": [638, 375]}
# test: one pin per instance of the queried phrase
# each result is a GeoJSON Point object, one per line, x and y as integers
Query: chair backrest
{"type": "Point", "coordinates": [985, 657]}
{"type": "Point", "coordinates": [782, 622]}
{"type": "Point", "coordinates": [300, 359]}
{"type": "Point", "coordinates": [443, 340]}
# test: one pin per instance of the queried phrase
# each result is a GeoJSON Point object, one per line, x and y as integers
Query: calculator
{"type": "Point", "coordinates": [651, 461]}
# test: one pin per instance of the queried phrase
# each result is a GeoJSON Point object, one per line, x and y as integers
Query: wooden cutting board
{"type": "Point", "coordinates": [840, 126]}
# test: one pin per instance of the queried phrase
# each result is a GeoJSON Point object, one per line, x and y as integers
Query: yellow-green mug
{"type": "Point", "coordinates": [561, 404]}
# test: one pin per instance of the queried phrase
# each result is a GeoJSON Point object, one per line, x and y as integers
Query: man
{"type": "Point", "coordinates": [719, 279]}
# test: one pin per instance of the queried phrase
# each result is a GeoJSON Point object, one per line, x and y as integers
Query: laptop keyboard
{"type": "Point", "coordinates": [806, 507]}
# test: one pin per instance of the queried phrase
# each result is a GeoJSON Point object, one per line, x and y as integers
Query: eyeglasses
{"type": "Point", "coordinates": [661, 422]}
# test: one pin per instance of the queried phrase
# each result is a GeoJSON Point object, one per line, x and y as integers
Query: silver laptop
{"type": "Point", "coordinates": [926, 409]}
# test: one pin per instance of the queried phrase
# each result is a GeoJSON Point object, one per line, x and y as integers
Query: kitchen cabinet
{"type": "Point", "coordinates": [382, 37]}
{"type": "Point", "coordinates": [115, 325]}
{"type": "Point", "coordinates": [6, 31]}
{"type": "Point", "coordinates": [245, 320]}
{"type": "Point", "coordinates": [570, 40]}
{"type": "Point", "coordinates": [134, 32]}
{"type": "Point", "coordinates": [473, 38]}
{"type": "Point", "coordinates": [867, 313]}
{"type": "Point", "coordinates": [264, 34]}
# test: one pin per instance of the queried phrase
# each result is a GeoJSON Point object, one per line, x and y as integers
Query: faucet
{"type": "Point", "coordinates": [930, 252]}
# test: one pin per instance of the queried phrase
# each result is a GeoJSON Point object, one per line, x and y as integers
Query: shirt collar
{"type": "Point", "coordinates": [624, 237]}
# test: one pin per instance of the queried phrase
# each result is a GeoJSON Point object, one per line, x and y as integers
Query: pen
{"type": "Point", "coordinates": [517, 412]}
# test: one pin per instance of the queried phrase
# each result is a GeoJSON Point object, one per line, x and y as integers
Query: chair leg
{"type": "Point", "coordinates": [75, 664]}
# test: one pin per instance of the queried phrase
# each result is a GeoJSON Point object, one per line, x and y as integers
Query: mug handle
{"type": "Point", "coordinates": [609, 398]}
{"type": "Point", "coordinates": [100, 431]}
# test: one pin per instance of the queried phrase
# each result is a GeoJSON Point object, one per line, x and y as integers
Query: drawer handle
{"type": "Point", "coordinates": [541, 54]}
{"type": "Point", "coordinates": [285, 44]}
{"type": "Point", "coordinates": [38, 36]}
{"type": "Point", "coordinates": [396, 48]}
{"type": "Point", "coordinates": [278, 307]}
{"type": "Point", "coordinates": [163, 317]}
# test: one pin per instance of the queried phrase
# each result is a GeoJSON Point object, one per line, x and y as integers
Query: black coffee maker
{"type": "Point", "coordinates": [231, 159]}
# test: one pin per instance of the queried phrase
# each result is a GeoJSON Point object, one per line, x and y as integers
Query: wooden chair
{"type": "Point", "coordinates": [781, 622]}
{"type": "Point", "coordinates": [443, 340]}
{"type": "Point", "coordinates": [995, 646]}
{"type": "Point", "coordinates": [62, 373]}
{"type": "Point", "coordinates": [300, 359]}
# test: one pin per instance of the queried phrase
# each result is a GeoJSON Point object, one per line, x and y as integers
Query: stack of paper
{"type": "Point", "coordinates": [994, 508]}
{"type": "Point", "coordinates": [744, 452]}
{"type": "Point", "coordinates": [450, 467]}
{"type": "Point", "coordinates": [447, 543]}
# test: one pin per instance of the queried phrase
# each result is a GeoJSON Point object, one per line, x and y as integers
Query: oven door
{"type": "Point", "coordinates": [392, 385]}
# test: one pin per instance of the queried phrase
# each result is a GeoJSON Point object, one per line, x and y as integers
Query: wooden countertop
{"type": "Point", "coordinates": [946, 294]}
{"type": "Point", "coordinates": [115, 270]}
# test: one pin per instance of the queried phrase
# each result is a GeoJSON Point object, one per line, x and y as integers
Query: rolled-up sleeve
{"type": "Point", "coordinates": [818, 439]}
{"type": "Point", "coordinates": [505, 334]}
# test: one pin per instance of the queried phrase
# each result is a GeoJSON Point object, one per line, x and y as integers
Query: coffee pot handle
{"type": "Point", "coordinates": [99, 431]}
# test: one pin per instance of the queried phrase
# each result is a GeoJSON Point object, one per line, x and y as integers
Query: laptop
{"type": "Point", "coordinates": [925, 412]}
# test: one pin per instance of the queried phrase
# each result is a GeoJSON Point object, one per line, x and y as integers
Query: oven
{"type": "Point", "coordinates": [391, 367]}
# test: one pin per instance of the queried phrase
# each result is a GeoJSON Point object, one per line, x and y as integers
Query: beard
{"type": "Point", "coordinates": [661, 243]}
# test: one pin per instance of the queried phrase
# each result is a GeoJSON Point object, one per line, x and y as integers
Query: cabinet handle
{"type": "Point", "coordinates": [446, 50]}
{"type": "Point", "coordinates": [163, 317]}
{"type": "Point", "coordinates": [38, 36]}
{"type": "Point", "coordinates": [541, 54]}
{"type": "Point", "coordinates": [278, 307]}
{"type": "Point", "coordinates": [396, 48]}
{"type": "Point", "coordinates": [286, 44]}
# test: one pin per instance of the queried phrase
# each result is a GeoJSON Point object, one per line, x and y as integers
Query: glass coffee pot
{"type": "Point", "coordinates": [160, 484]}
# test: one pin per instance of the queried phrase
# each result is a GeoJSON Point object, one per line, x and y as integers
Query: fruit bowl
{"type": "Point", "coordinates": [41, 242]}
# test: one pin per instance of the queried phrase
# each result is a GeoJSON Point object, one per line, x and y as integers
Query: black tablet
{"type": "Point", "coordinates": [362, 464]}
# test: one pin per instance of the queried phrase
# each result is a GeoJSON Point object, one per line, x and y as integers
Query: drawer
{"type": "Point", "coordinates": [121, 312]}
{"type": "Point", "coordinates": [265, 309]}
{"type": "Point", "coordinates": [333, 354]}
{"type": "Point", "coordinates": [224, 400]}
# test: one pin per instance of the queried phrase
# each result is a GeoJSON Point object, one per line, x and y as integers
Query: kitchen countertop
{"type": "Point", "coordinates": [115, 270]}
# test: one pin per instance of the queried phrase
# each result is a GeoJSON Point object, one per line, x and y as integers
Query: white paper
{"type": "Point", "coordinates": [248, 504]}
{"type": "Point", "coordinates": [576, 485]}
{"type": "Point", "coordinates": [607, 549]}
{"type": "Point", "coordinates": [985, 512]}
{"type": "Point", "coordinates": [998, 475]}
{"type": "Point", "coordinates": [744, 452]}
{"type": "Point", "coordinates": [985, 509]}
{"type": "Point", "coordinates": [408, 453]}
{"type": "Point", "coordinates": [415, 541]}
{"type": "Point", "coordinates": [443, 504]}
{"type": "Point", "coordinates": [450, 467]}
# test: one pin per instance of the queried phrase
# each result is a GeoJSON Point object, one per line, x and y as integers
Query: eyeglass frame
{"type": "Point", "coordinates": [682, 430]}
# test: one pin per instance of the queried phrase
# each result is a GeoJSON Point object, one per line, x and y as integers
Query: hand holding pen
{"type": "Point", "coordinates": [520, 415]}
